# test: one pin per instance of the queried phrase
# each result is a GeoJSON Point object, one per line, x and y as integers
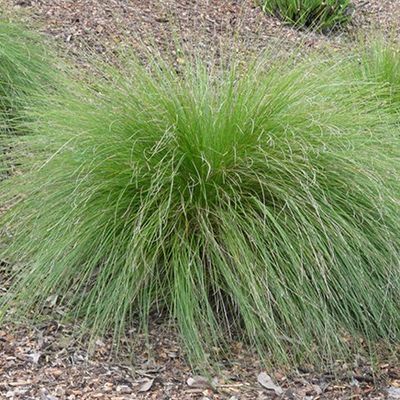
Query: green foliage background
{"type": "Point", "coordinates": [318, 14]}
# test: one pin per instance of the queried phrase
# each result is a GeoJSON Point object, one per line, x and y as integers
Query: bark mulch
{"type": "Point", "coordinates": [45, 363]}
{"type": "Point", "coordinates": [105, 24]}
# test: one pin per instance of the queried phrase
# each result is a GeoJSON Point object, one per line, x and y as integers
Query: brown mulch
{"type": "Point", "coordinates": [45, 362]}
{"type": "Point", "coordinates": [105, 24]}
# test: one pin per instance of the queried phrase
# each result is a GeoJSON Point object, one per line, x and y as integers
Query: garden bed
{"type": "Point", "coordinates": [104, 24]}
{"type": "Point", "coordinates": [44, 362]}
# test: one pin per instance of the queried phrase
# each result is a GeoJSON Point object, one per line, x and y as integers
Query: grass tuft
{"type": "Point", "coordinates": [322, 15]}
{"type": "Point", "coordinates": [28, 73]}
{"type": "Point", "coordinates": [25, 72]}
{"type": "Point", "coordinates": [258, 202]}
{"type": "Point", "coordinates": [379, 61]}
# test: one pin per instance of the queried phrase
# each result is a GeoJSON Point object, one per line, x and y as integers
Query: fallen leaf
{"type": "Point", "coordinates": [317, 389]}
{"type": "Point", "coordinates": [198, 381]}
{"type": "Point", "coordinates": [393, 393]}
{"type": "Point", "coordinates": [52, 300]}
{"type": "Point", "coordinates": [124, 389]}
{"type": "Point", "coordinates": [19, 383]}
{"type": "Point", "coordinates": [34, 357]}
{"type": "Point", "coordinates": [146, 386]}
{"type": "Point", "coordinates": [46, 396]}
{"type": "Point", "coordinates": [266, 381]}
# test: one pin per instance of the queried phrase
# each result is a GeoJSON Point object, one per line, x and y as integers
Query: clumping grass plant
{"type": "Point", "coordinates": [29, 71]}
{"type": "Point", "coordinates": [258, 202]}
{"type": "Point", "coordinates": [321, 15]}
{"type": "Point", "coordinates": [379, 61]}
{"type": "Point", "coordinates": [25, 72]}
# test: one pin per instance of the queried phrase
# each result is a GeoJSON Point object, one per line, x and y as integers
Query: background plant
{"type": "Point", "coordinates": [25, 70]}
{"type": "Point", "coordinates": [258, 202]}
{"type": "Point", "coordinates": [317, 14]}
{"type": "Point", "coordinates": [28, 73]}
{"type": "Point", "coordinates": [379, 61]}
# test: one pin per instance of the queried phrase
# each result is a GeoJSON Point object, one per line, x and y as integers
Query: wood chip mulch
{"type": "Point", "coordinates": [46, 363]}
{"type": "Point", "coordinates": [105, 24]}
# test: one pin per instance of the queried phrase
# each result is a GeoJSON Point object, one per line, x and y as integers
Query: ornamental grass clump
{"type": "Point", "coordinates": [379, 61]}
{"type": "Point", "coordinates": [25, 73]}
{"type": "Point", "coordinates": [256, 202]}
{"type": "Point", "coordinates": [322, 15]}
{"type": "Point", "coordinates": [29, 72]}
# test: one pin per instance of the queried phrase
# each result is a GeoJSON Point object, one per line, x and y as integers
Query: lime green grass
{"type": "Point", "coordinates": [317, 14]}
{"type": "Point", "coordinates": [259, 203]}
{"type": "Point", "coordinates": [25, 72]}
{"type": "Point", "coordinates": [28, 73]}
{"type": "Point", "coordinates": [379, 61]}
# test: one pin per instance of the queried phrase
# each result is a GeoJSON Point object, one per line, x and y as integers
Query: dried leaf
{"type": "Point", "coordinates": [46, 396]}
{"type": "Point", "coordinates": [266, 381]}
{"type": "Point", "coordinates": [34, 357]}
{"type": "Point", "coordinates": [393, 393]}
{"type": "Point", "coordinates": [52, 300]}
{"type": "Point", "coordinates": [317, 389]}
{"type": "Point", "coordinates": [124, 389]}
{"type": "Point", "coordinates": [19, 383]}
{"type": "Point", "coordinates": [198, 381]}
{"type": "Point", "coordinates": [146, 386]}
